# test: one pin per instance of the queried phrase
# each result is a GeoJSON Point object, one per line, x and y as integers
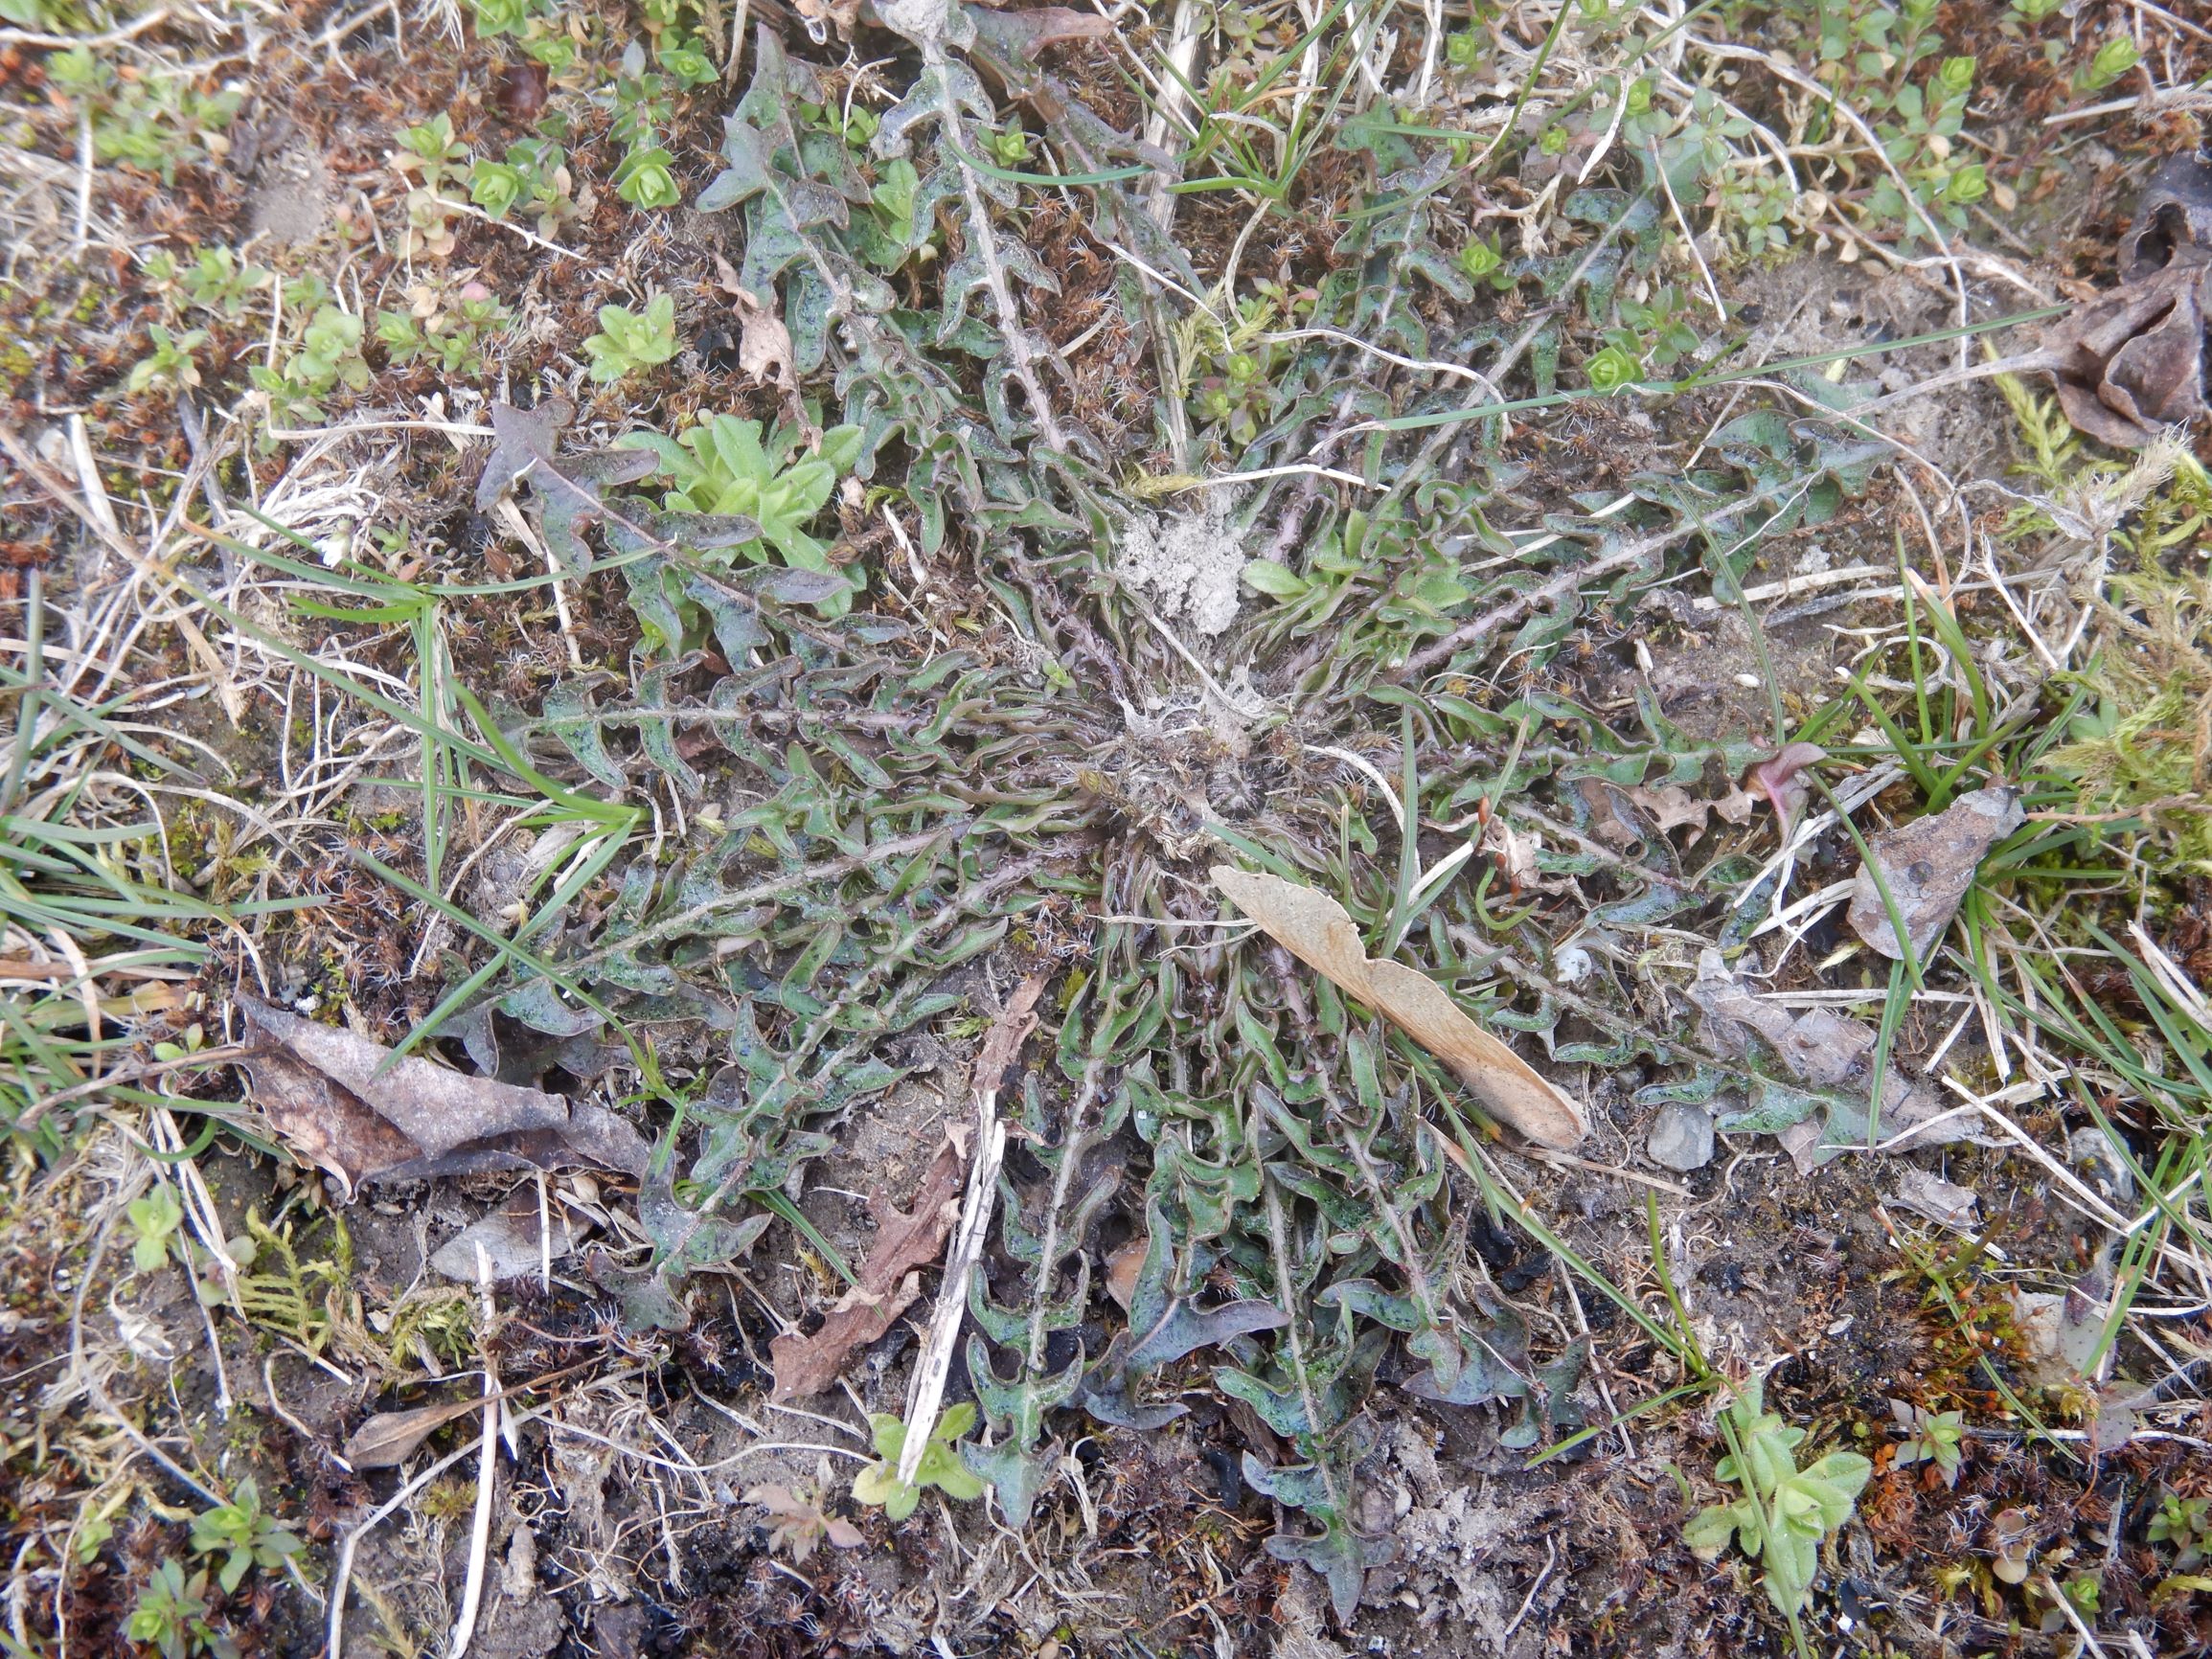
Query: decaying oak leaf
{"type": "Point", "coordinates": [318, 1086]}
{"type": "Point", "coordinates": [1671, 806]}
{"type": "Point", "coordinates": [2134, 361]}
{"type": "Point", "coordinates": [1317, 930]}
{"type": "Point", "coordinates": [889, 1285]}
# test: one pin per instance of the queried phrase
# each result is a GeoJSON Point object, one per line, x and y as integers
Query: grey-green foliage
{"type": "Point", "coordinates": [905, 812]}
{"type": "Point", "coordinates": [1104, 1061]}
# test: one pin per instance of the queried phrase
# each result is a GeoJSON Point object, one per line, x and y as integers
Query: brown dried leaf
{"type": "Point", "coordinates": [904, 1241]}
{"type": "Point", "coordinates": [2175, 214]}
{"type": "Point", "coordinates": [1121, 1268]}
{"type": "Point", "coordinates": [819, 14]}
{"type": "Point", "coordinates": [1316, 929]}
{"type": "Point", "coordinates": [1928, 866]}
{"type": "Point", "coordinates": [391, 1436]}
{"type": "Point", "coordinates": [318, 1087]}
{"type": "Point", "coordinates": [1670, 806]}
{"type": "Point", "coordinates": [2134, 361]}
{"type": "Point", "coordinates": [1007, 1034]}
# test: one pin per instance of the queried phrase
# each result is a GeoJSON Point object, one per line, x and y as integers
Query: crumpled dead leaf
{"type": "Point", "coordinates": [1822, 1050]}
{"type": "Point", "coordinates": [1941, 1201]}
{"type": "Point", "coordinates": [2175, 214]}
{"type": "Point", "coordinates": [516, 1239]}
{"type": "Point", "coordinates": [765, 349]}
{"type": "Point", "coordinates": [318, 1086]}
{"type": "Point", "coordinates": [2134, 361]}
{"type": "Point", "coordinates": [1671, 806]}
{"type": "Point", "coordinates": [821, 15]}
{"type": "Point", "coordinates": [2062, 1334]}
{"type": "Point", "coordinates": [889, 1285]}
{"type": "Point", "coordinates": [1928, 866]}
{"type": "Point", "coordinates": [1316, 929]}
{"type": "Point", "coordinates": [1121, 1268]}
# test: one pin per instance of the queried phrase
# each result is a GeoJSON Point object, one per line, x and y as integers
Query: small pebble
{"type": "Point", "coordinates": [1681, 1137]}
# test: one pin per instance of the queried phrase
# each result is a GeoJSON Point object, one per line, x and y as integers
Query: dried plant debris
{"type": "Point", "coordinates": [1942, 1202]}
{"type": "Point", "coordinates": [889, 1283]}
{"type": "Point", "coordinates": [390, 1438]}
{"type": "Point", "coordinates": [1318, 932]}
{"type": "Point", "coordinates": [2134, 361]}
{"type": "Point", "coordinates": [2174, 215]}
{"type": "Point", "coordinates": [333, 1102]}
{"type": "Point", "coordinates": [1928, 866]}
{"type": "Point", "coordinates": [518, 1240]}
{"type": "Point", "coordinates": [1818, 1103]}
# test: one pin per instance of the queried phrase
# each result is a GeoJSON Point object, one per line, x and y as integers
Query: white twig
{"type": "Point", "coordinates": [1296, 468]}
{"type": "Point", "coordinates": [487, 1473]}
{"type": "Point", "coordinates": [1000, 1046]}
{"type": "Point", "coordinates": [1354, 759]}
{"type": "Point", "coordinates": [968, 1240]}
{"type": "Point", "coordinates": [531, 237]}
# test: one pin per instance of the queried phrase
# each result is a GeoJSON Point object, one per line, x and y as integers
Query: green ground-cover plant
{"type": "Point", "coordinates": [154, 1220]}
{"type": "Point", "coordinates": [628, 340]}
{"type": "Point", "coordinates": [155, 124]}
{"type": "Point", "coordinates": [940, 1465]}
{"type": "Point", "coordinates": [244, 1535]}
{"type": "Point", "coordinates": [326, 357]}
{"type": "Point", "coordinates": [169, 364]}
{"type": "Point", "coordinates": [728, 467]}
{"type": "Point", "coordinates": [454, 334]}
{"type": "Point", "coordinates": [171, 1615]}
{"type": "Point", "coordinates": [1937, 1438]}
{"type": "Point", "coordinates": [1785, 1512]}
{"type": "Point", "coordinates": [909, 807]}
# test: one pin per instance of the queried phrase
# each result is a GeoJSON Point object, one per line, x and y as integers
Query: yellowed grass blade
{"type": "Point", "coordinates": [1317, 930]}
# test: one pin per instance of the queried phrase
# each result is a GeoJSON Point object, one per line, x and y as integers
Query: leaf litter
{"type": "Point", "coordinates": [340, 1102]}
{"type": "Point", "coordinates": [1318, 932]}
{"type": "Point", "coordinates": [905, 1240]}
{"type": "Point", "coordinates": [1926, 866]}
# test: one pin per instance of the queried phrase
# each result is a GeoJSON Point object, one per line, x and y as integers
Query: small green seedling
{"type": "Point", "coordinates": [243, 1536]}
{"type": "Point", "coordinates": [2113, 59]}
{"type": "Point", "coordinates": [171, 361]}
{"type": "Point", "coordinates": [2187, 1524]}
{"type": "Point", "coordinates": [1785, 1512]}
{"type": "Point", "coordinates": [941, 1467]}
{"type": "Point", "coordinates": [631, 341]}
{"type": "Point", "coordinates": [1611, 369]}
{"type": "Point", "coordinates": [1937, 1438]}
{"type": "Point", "coordinates": [153, 1220]}
{"type": "Point", "coordinates": [731, 466]}
{"type": "Point", "coordinates": [1484, 260]}
{"type": "Point", "coordinates": [171, 1614]}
